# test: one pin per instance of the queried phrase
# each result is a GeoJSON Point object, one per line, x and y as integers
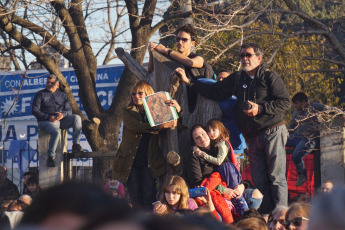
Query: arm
{"type": "Point", "coordinates": [223, 150]}
{"type": "Point", "coordinates": [67, 110]}
{"type": "Point", "coordinates": [279, 101]}
{"type": "Point", "coordinates": [36, 108]}
{"type": "Point", "coordinates": [134, 124]}
{"type": "Point", "coordinates": [150, 48]}
{"type": "Point", "coordinates": [197, 62]}
{"type": "Point", "coordinates": [216, 91]}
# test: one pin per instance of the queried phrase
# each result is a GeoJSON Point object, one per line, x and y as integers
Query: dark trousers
{"type": "Point", "coordinates": [142, 188]}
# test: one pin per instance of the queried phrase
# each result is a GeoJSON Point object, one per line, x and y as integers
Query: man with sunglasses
{"type": "Point", "coordinates": [53, 111]}
{"type": "Point", "coordinates": [262, 100]}
{"type": "Point", "coordinates": [195, 64]}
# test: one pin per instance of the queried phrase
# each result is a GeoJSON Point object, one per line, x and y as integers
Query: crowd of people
{"type": "Point", "coordinates": [138, 193]}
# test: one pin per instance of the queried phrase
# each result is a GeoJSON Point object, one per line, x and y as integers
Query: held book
{"type": "Point", "coordinates": [157, 111]}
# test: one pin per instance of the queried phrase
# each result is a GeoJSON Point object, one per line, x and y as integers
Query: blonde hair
{"type": "Point", "coordinates": [180, 187]}
{"type": "Point", "coordinates": [298, 209]}
{"type": "Point", "coordinates": [252, 223]}
{"type": "Point", "coordinates": [216, 124]}
{"type": "Point", "coordinates": [142, 86]}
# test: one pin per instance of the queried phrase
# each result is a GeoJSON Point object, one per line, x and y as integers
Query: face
{"type": "Point", "coordinates": [171, 196]}
{"type": "Point", "coordinates": [213, 133]}
{"type": "Point", "coordinates": [26, 178]}
{"type": "Point", "coordinates": [137, 97]}
{"type": "Point", "coordinates": [300, 105]}
{"type": "Point", "coordinates": [278, 220]}
{"type": "Point", "coordinates": [250, 61]}
{"type": "Point", "coordinates": [303, 224]}
{"type": "Point", "coordinates": [326, 187]}
{"type": "Point", "coordinates": [184, 43]}
{"type": "Point", "coordinates": [201, 138]}
{"type": "Point", "coordinates": [222, 75]}
{"type": "Point", "coordinates": [52, 85]}
{"type": "Point", "coordinates": [32, 187]}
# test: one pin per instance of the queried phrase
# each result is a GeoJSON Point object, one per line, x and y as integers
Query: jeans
{"type": "Point", "coordinates": [267, 159]}
{"type": "Point", "coordinates": [54, 130]}
{"type": "Point", "coordinates": [142, 188]}
{"type": "Point", "coordinates": [251, 201]}
{"type": "Point", "coordinates": [303, 146]}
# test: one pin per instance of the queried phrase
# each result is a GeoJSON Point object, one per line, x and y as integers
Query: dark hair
{"type": "Point", "coordinates": [32, 180]}
{"type": "Point", "coordinates": [188, 28]}
{"type": "Point", "coordinates": [29, 174]}
{"type": "Point", "coordinates": [217, 124]}
{"type": "Point", "coordinates": [194, 127]}
{"type": "Point", "coordinates": [53, 77]}
{"type": "Point", "coordinates": [224, 70]}
{"type": "Point", "coordinates": [256, 48]}
{"type": "Point", "coordinates": [252, 212]}
{"type": "Point", "coordinates": [299, 97]}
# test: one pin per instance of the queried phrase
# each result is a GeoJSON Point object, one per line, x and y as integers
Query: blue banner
{"type": "Point", "coordinates": [11, 83]}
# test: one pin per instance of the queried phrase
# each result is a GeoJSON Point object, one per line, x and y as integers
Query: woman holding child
{"type": "Point", "coordinates": [139, 161]}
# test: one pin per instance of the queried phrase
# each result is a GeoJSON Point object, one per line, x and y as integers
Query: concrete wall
{"type": "Point", "coordinates": [49, 176]}
{"type": "Point", "coordinates": [333, 153]}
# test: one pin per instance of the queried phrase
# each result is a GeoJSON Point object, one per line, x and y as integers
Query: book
{"type": "Point", "coordinates": [157, 111]}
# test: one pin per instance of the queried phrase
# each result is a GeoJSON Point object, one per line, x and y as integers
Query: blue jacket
{"type": "Point", "coordinates": [46, 103]}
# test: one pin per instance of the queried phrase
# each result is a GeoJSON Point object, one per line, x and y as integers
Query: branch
{"type": "Point", "coordinates": [323, 59]}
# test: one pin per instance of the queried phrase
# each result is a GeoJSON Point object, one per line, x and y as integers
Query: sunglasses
{"type": "Point", "coordinates": [247, 55]}
{"type": "Point", "coordinates": [135, 93]}
{"type": "Point", "coordinates": [178, 39]}
{"type": "Point", "coordinates": [296, 222]}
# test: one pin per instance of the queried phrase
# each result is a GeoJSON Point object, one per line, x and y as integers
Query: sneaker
{"type": "Point", "coordinates": [50, 162]}
{"type": "Point", "coordinates": [77, 148]}
{"type": "Point", "coordinates": [301, 179]}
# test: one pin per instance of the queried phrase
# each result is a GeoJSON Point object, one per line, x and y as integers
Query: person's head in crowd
{"type": "Point", "coordinates": [185, 39]}
{"type": "Point", "coordinates": [216, 130]}
{"type": "Point", "coordinates": [328, 210]}
{"type": "Point", "coordinates": [32, 184]}
{"type": "Point", "coordinates": [52, 83]}
{"type": "Point", "coordinates": [26, 199]}
{"type": "Point", "coordinates": [140, 90]}
{"type": "Point", "coordinates": [223, 74]}
{"type": "Point", "coordinates": [27, 175]}
{"type": "Point", "coordinates": [300, 100]}
{"type": "Point", "coordinates": [250, 57]}
{"type": "Point", "coordinates": [303, 198]}
{"type": "Point", "coordinates": [278, 218]}
{"type": "Point", "coordinates": [108, 176]}
{"type": "Point", "coordinates": [252, 223]}
{"type": "Point", "coordinates": [175, 194]}
{"type": "Point", "coordinates": [199, 136]}
{"type": "Point", "coordinates": [3, 174]}
{"type": "Point", "coordinates": [252, 213]}
{"type": "Point", "coordinates": [326, 186]}
{"type": "Point", "coordinates": [72, 205]}
{"type": "Point", "coordinates": [297, 216]}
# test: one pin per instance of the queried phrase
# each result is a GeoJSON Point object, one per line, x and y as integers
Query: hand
{"type": "Point", "coordinates": [253, 111]}
{"type": "Point", "coordinates": [231, 193]}
{"type": "Point", "coordinates": [209, 201]}
{"type": "Point", "coordinates": [161, 48]}
{"type": "Point", "coordinates": [53, 119]}
{"type": "Point", "coordinates": [151, 46]}
{"type": "Point", "coordinates": [182, 74]}
{"type": "Point", "coordinates": [160, 209]}
{"type": "Point", "coordinates": [239, 189]}
{"type": "Point", "coordinates": [170, 124]}
{"type": "Point", "coordinates": [198, 152]}
{"type": "Point", "coordinates": [59, 116]}
{"type": "Point", "coordinates": [173, 103]}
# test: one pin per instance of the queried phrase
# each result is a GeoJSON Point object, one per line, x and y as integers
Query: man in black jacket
{"type": "Point", "coordinates": [53, 111]}
{"type": "Point", "coordinates": [262, 100]}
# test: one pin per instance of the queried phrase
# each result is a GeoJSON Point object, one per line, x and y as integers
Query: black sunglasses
{"type": "Point", "coordinates": [248, 55]}
{"type": "Point", "coordinates": [296, 222]}
{"type": "Point", "coordinates": [178, 39]}
{"type": "Point", "coordinates": [135, 93]}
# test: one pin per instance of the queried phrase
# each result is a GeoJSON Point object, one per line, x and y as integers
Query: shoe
{"type": "Point", "coordinates": [301, 179]}
{"type": "Point", "coordinates": [50, 162]}
{"type": "Point", "coordinates": [77, 148]}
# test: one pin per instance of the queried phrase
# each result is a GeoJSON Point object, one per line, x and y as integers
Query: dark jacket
{"type": "Point", "coordinates": [133, 128]}
{"type": "Point", "coordinates": [267, 89]}
{"type": "Point", "coordinates": [46, 103]}
{"type": "Point", "coordinates": [197, 168]}
{"type": "Point", "coordinates": [8, 191]}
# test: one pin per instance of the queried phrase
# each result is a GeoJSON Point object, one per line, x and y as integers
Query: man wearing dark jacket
{"type": "Point", "coordinates": [262, 100]}
{"type": "Point", "coordinates": [53, 111]}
